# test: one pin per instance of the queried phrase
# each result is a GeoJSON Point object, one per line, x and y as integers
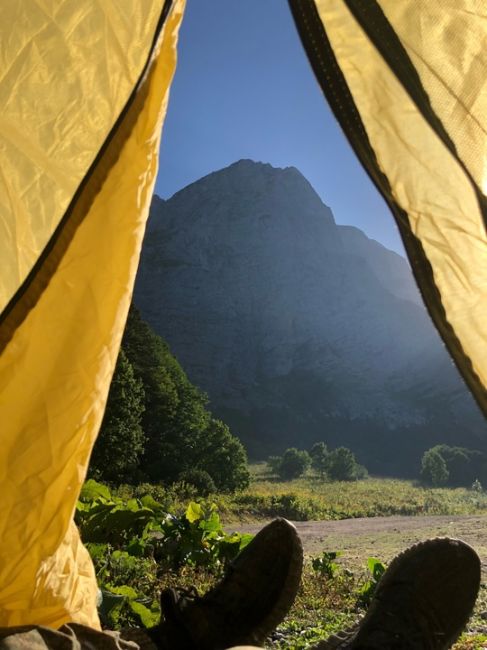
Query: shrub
{"type": "Point", "coordinates": [433, 468]}
{"type": "Point", "coordinates": [223, 457]}
{"type": "Point", "coordinates": [361, 472]}
{"type": "Point", "coordinates": [294, 463]}
{"type": "Point", "coordinates": [200, 479]}
{"type": "Point", "coordinates": [341, 465]}
{"type": "Point", "coordinates": [477, 486]}
{"type": "Point", "coordinates": [458, 467]}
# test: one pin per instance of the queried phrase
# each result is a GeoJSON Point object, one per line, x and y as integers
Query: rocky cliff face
{"type": "Point", "coordinates": [298, 329]}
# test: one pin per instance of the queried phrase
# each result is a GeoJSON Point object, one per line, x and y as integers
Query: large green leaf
{"type": "Point", "coordinates": [194, 512]}
{"type": "Point", "coordinates": [93, 490]}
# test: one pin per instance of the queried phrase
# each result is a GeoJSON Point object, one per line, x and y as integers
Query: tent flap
{"type": "Point", "coordinates": [73, 255]}
{"type": "Point", "coordinates": [407, 83]}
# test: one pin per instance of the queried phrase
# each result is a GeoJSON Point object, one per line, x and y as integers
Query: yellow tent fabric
{"type": "Point", "coordinates": [83, 89]}
{"type": "Point", "coordinates": [408, 83]}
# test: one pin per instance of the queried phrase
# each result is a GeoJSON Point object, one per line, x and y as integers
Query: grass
{"type": "Point", "coordinates": [324, 606]}
{"type": "Point", "coordinates": [310, 498]}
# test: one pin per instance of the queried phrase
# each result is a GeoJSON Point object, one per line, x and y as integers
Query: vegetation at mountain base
{"type": "Point", "coordinates": [453, 466]}
{"type": "Point", "coordinates": [319, 457]}
{"type": "Point", "coordinates": [433, 468]}
{"type": "Point", "coordinates": [292, 464]}
{"type": "Point", "coordinates": [138, 549]}
{"type": "Point", "coordinates": [335, 465]}
{"type": "Point", "coordinates": [342, 466]}
{"type": "Point", "coordinates": [118, 451]}
{"type": "Point", "coordinates": [135, 541]}
{"type": "Point", "coordinates": [157, 426]}
{"type": "Point", "coordinates": [310, 498]}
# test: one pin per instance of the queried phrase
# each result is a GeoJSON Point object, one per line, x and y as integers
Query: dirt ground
{"type": "Point", "coordinates": [384, 537]}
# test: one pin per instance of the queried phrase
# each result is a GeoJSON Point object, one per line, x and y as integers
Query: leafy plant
{"type": "Point", "coordinates": [197, 539]}
{"type": "Point", "coordinates": [376, 570]}
{"type": "Point", "coordinates": [325, 564]}
{"type": "Point", "coordinates": [131, 541]}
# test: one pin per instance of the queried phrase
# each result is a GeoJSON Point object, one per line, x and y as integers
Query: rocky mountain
{"type": "Point", "coordinates": [297, 328]}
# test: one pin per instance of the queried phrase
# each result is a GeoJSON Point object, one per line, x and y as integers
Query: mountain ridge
{"type": "Point", "coordinates": [297, 328]}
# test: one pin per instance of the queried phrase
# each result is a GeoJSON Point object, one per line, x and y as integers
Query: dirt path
{"type": "Point", "coordinates": [384, 537]}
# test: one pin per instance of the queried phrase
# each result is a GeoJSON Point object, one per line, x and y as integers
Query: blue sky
{"type": "Point", "coordinates": [244, 89]}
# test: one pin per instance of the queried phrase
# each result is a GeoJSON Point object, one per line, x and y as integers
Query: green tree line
{"type": "Point", "coordinates": [157, 426]}
{"type": "Point", "coordinates": [337, 464]}
{"type": "Point", "coordinates": [453, 466]}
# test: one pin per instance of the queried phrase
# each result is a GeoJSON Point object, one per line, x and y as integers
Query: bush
{"type": "Point", "coordinates": [433, 468]}
{"type": "Point", "coordinates": [477, 486]}
{"type": "Point", "coordinates": [341, 465]}
{"type": "Point", "coordinates": [200, 479]}
{"type": "Point", "coordinates": [223, 456]}
{"type": "Point", "coordinates": [453, 466]}
{"type": "Point", "coordinates": [361, 472]}
{"type": "Point", "coordinates": [293, 463]}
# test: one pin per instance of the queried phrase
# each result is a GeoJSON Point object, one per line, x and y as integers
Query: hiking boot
{"type": "Point", "coordinates": [422, 602]}
{"type": "Point", "coordinates": [246, 606]}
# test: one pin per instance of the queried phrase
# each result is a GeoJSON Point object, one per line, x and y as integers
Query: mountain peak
{"type": "Point", "coordinates": [295, 327]}
{"type": "Point", "coordinates": [251, 186]}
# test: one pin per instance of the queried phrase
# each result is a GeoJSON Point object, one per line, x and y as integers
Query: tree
{"type": "Point", "coordinates": [319, 457]}
{"type": "Point", "coordinates": [341, 465]}
{"type": "Point", "coordinates": [174, 408]}
{"type": "Point", "coordinates": [223, 457]}
{"type": "Point", "coordinates": [181, 433]}
{"type": "Point", "coordinates": [463, 466]}
{"type": "Point", "coordinates": [293, 463]}
{"type": "Point", "coordinates": [120, 443]}
{"type": "Point", "coordinates": [433, 468]}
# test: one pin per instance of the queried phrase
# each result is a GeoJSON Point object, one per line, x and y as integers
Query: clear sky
{"type": "Point", "coordinates": [244, 89]}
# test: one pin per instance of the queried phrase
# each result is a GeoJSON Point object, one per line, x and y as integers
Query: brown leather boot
{"type": "Point", "coordinates": [246, 606]}
{"type": "Point", "coordinates": [422, 602]}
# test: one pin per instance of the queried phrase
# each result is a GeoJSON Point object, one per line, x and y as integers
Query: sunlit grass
{"type": "Point", "coordinates": [311, 497]}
